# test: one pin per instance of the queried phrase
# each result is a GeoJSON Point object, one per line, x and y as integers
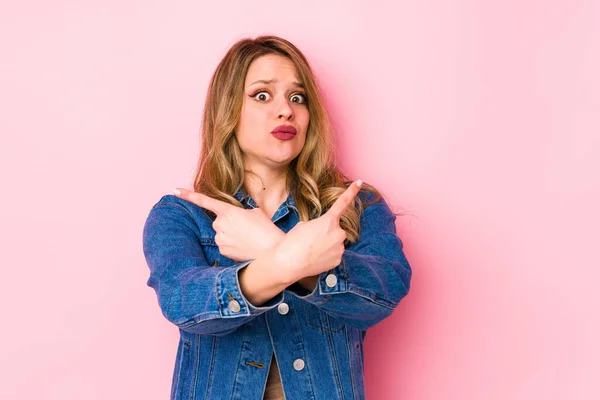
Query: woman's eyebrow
{"type": "Point", "coordinates": [268, 81]}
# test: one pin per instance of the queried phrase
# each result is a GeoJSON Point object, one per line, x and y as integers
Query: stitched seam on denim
{"type": "Point", "coordinates": [352, 372]}
{"type": "Point", "coordinates": [218, 277]}
{"type": "Point", "coordinates": [272, 355]}
{"type": "Point", "coordinates": [334, 359]}
{"type": "Point", "coordinates": [187, 366]}
{"type": "Point", "coordinates": [213, 356]}
{"type": "Point", "coordinates": [312, 391]}
{"type": "Point", "coordinates": [176, 383]}
{"type": "Point", "coordinates": [238, 364]}
{"type": "Point", "coordinates": [199, 318]}
{"type": "Point", "coordinates": [194, 380]}
{"type": "Point", "coordinates": [344, 271]}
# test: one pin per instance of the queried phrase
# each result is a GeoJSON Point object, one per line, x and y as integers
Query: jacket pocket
{"type": "Point", "coordinates": [321, 320]}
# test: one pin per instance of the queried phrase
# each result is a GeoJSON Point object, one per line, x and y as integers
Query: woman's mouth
{"type": "Point", "coordinates": [283, 135]}
{"type": "Point", "coordinates": [284, 132]}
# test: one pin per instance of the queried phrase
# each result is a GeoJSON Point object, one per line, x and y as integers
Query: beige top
{"type": "Point", "coordinates": [274, 389]}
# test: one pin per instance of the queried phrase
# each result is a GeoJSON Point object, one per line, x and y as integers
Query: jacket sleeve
{"type": "Point", "coordinates": [372, 278]}
{"type": "Point", "coordinates": [196, 297]}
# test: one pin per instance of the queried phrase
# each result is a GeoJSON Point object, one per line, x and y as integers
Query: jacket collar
{"type": "Point", "coordinates": [244, 197]}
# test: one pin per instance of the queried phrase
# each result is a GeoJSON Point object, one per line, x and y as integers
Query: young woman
{"type": "Point", "coordinates": [275, 265]}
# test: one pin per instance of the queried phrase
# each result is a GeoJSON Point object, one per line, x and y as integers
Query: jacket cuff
{"type": "Point", "coordinates": [232, 302]}
{"type": "Point", "coordinates": [330, 282]}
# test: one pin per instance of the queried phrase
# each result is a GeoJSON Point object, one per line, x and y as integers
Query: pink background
{"type": "Point", "coordinates": [478, 119]}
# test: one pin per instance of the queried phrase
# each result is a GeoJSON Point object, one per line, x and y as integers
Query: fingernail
{"type": "Point", "coordinates": [177, 192]}
{"type": "Point", "coordinates": [359, 183]}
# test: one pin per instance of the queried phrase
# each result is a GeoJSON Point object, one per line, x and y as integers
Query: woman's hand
{"type": "Point", "coordinates": [241, 234]}
{"type": "Point", "coordinates": [315, 246]}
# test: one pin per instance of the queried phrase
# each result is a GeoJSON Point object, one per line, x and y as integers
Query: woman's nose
{"type": "Point", "coordinates": [285, 110]}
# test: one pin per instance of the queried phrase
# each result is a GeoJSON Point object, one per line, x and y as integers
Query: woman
{"type": "Point", "coordinates": [274, 266]}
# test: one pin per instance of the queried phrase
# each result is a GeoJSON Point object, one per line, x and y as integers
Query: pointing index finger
{"type": "Point", "coordinates": [202, 200]}
{"type": "Point", "coordinates": [345, 199]}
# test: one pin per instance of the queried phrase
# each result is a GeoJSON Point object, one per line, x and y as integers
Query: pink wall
{"type": "Point", "coordinates": [481, 121]}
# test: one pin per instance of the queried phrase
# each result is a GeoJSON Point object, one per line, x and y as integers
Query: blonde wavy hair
{"type": "Point", "coordinates": [316, 181]}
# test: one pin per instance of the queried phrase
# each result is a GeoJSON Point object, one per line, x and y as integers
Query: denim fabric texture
{"type": "Point", "coordinates": [225, 350]}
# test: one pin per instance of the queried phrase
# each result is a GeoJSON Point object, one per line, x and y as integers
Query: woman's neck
{"type": "Point", "coordinates": [266, 186]}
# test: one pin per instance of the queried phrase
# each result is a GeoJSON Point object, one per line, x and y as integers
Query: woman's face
{"type": "Point", "coordinates": [273, 99]}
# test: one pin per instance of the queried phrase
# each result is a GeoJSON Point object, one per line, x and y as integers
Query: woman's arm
{"type": "Point", "coordinates": [372, 278]}
{"type": "Point", "coordinates": [193, 295]}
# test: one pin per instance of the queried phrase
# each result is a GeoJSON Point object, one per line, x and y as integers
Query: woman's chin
{"type": "Point", "coordinates": [282, 159]}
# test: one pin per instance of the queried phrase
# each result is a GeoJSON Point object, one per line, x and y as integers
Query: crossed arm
{"type": "Point", "coordinates": [360, 285]}
{"type": "Point", "coordinates": [300, 255]}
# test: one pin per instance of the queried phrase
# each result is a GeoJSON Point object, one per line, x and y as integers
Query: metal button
{"type": "Point", "coordinates": [299, 364]}
{"type": "Point", "coordinates": [331, 280]}
{"type": "Point", "coordinates": [283, 308]}
{"type": "Point", "coordinates": [234, 306]}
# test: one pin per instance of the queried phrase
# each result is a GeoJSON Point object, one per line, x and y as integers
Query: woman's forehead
{"type": "Point", "coordinates": [272, 69]}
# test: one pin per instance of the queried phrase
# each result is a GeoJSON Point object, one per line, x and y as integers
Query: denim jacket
{"type": "Point", "coordinates": [226, 343]}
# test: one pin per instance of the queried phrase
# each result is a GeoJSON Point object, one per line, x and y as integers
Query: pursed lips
{"type": "Point", "coordinates": [285, 129]}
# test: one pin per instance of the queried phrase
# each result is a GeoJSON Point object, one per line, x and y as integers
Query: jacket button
{"type": "Point", "coordinates": [299, 364]}
{"type": "Point", "coordinates": [331, 280]}
{"type": "Point", "coordinates": [283, 308]}
{"type": "Point", "coordinates": [234, 306]}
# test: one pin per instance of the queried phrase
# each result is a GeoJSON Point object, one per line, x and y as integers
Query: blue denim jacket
{"type": "Point", "coordinates": [226, 343]}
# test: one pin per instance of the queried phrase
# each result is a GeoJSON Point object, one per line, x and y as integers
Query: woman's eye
{"type": "Point", "coordinates": [298, 98]}
{"type": "Point", "coordinates": [262, 96]}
